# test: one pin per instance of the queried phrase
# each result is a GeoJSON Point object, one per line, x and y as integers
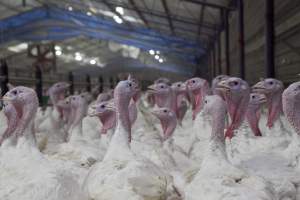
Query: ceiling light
{"type": "Point", "coordinates": [58, 52]}
{"type": "Point", "coordinates": [89, 13]}
{"type": "Point", "coordinates": [18, 48]}
{"type": "Point", "coordinates": [157, 52]}
{"type": "Point", "coordinates": [120, 10]}
{"type": "Point", "coordinates": [161, 60]}
{"type": "Point", "coordinates": [57, 48]}
{"type": "Point", "coordinates": [151, 52]}
{"type": "Point", "coordinates": [118, 19]}
{"type": "Point", "coordinates": [78, 57]}
{"type": "Point", "coordinates": [92, 62]}
{"type": "Point", "coordinates": [70, 8]}
{"type": "Point", "coordinates": [77, 54]}
{"type": "Point", "coordinates": [156, 57]}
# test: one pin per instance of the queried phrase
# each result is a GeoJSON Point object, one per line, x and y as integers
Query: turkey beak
{"type": "Point", "coordinates": [184, 86]}
{"type": "Point", "coordinates": [222, 86]}
{"type": "Point", "coordinates": [258, 86]}
{"type": "Point", "coordinates": [151, 88]}
{"type": "Point", "coordinates": [155, 112]}
{"type": "Point", "coordinates": [187, 84]}
{"type": "Point", "coordinates": [6, 98]}
{"type": "Point", "coordinates": [92, 111]}
{"type": "Point", "coordinates": [263, 99]}
{"type": "Point", "coordinates": [111, 106]}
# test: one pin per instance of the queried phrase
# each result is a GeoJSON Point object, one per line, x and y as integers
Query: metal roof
{"type": "Point", "coordinates": [181, 30]}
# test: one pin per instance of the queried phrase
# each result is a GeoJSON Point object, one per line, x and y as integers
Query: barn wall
{"type": "Point", "coordinates": [287, 51]}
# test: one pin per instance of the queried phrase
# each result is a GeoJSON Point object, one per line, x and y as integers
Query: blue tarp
{"type": "Point", "coordinates": [23, 27]}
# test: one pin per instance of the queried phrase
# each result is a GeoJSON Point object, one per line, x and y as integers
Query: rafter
{"type": "Point", "coordinates": [132, 2]}
{"type": "Point", "coordinates": [167, 11]}
{"type": "Point", "coordinates": [201, 18]}
{"type": "Point", "coordinates": [212, 5]}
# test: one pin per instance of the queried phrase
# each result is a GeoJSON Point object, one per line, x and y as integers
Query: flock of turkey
{"type": "Point", "coordinates": [184, 140]}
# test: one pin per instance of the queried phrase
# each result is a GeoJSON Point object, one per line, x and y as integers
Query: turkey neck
{"type": "Point", "coordinates": [119, 147]}
{"type": "Point", "coordinates": [274, 108]}
{"type": "Point", "coordinates": [76, 127]}
{"type": "Point", "coordinates": [26, 123]}
{"type": "Point", "coordinates": [218, 125]}
{"type": "Point", "coordinates": [291, 109]}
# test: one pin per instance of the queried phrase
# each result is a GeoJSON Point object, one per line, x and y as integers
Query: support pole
{"type": "Point", "coordinates": [88, 83]}
{"type": "Point", "coordinates": [227, 47]}
{"type": "Point", "coordinates": [219, 54]}
{"type": "Point", "coordinates": [3, 77]}
{"type": "Point", "coordinates": [100, 84]}
{"type": "Point", "coordinates": [39, 84]}
{"type": "Point", "coordinates": [269, 38]}
{"type": "Point", "coordinates": [241, 38]}
{"type": "Point", "coordinates": [71, 82]}
{"type": "Point", "coordinates": [213, 62]}
{"type": "Point", "coordinates": [111, 82]}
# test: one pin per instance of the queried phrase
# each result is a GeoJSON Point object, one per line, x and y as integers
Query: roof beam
{"type": "Point", "coordinates": [167, 11]}
{"type": "Point", "coordinates": [204, 3]}
{"type": "Point", "coordinates": [10, 7]}
{"type": "Point", "coordinates": [162, 15]}
{"type": "Point", "coordinates": [201, 18]}
{"type": "Point", "coordinates": [132, 2]}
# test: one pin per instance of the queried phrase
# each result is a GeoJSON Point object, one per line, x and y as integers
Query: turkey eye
{"type": "Point", "coordinates": [271, 83]}
{"type": "Point", "coordinates": [129, 84]}
{"type": "Point", "coordinates": [15, 92]}
{"type": "Point", "coordinates": [205, 101]}
{"type": "Point", "coordinates": [73, 98]}
{"type": "Point", "coordinates": [67, 102]}
{"type": "Point", "coordinates": [235, 83]}
{"type": "Point", "coordinates": [253, 97]}
{"type": "Point", "coordinates": [178, 85]}
{"type": "Point", "coordinates": [162, 86]}
{"type": "Point", "coordinates": [165, 111]}
{"type": "Point", "coordinates": [102, 106]}
{"type": "Point", "coordinates": [57, 85]}
{"type": "Point", "coordinates": [193, 81]}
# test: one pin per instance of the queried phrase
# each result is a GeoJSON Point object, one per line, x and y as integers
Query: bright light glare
{"type": "Point", "coordinates": [157, 52]}
{"type": "Point", "coordinates": [70, 8]}
{"type": "Point", "coordinates": [156, 57]}
{"type": "Point", "coordinates": [58, 52]}
{"type": "Point", "coordinates": [18, 48]}
{"type": "Point", "coordinates": [118, 19]}
{"type": "Point", "coordinates": [151, 52]}
{"type": "Point", "coordinates": [78, 58]}
{"type": "Point", "coordinates": [161, 60]}
{"type": "Point", "coordinates": [57, 48]}
{"type": "Point", "coordinates": [89, 13]}
{"type": "Point", "coordinates": [92, 62]}
{"type": "Point", "coordinates": [120, 10]}
{"type": "Point", "coordinates": [77, 54]}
